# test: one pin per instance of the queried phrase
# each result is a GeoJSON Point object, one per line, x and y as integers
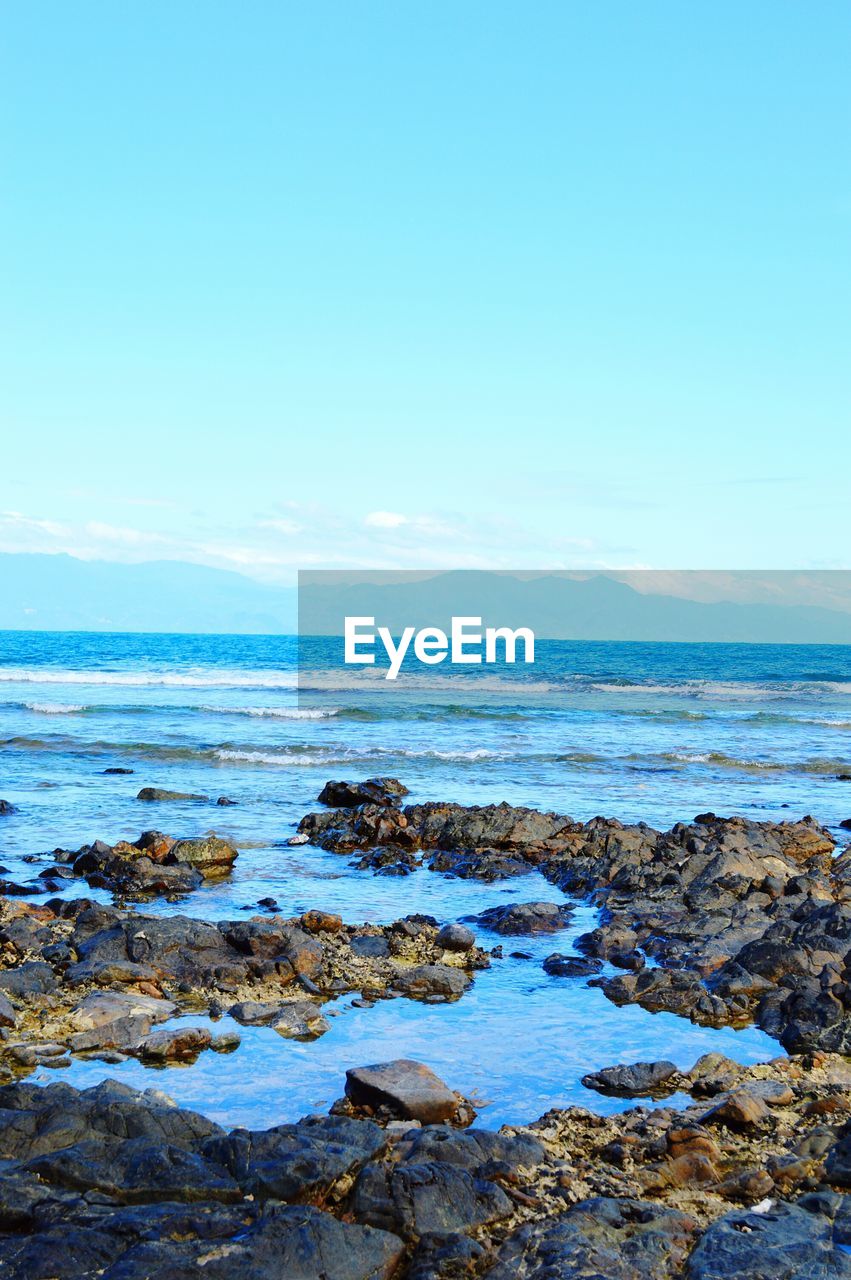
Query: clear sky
{"type": "Point", "coordinates": [427, 284]}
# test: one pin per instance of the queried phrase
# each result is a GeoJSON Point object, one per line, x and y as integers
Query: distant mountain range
{"type": "Point", "coordinates": [560, 607]}
{"type": "Point", "coordinates": [62, 593]}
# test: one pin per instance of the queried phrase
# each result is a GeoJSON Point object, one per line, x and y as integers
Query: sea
{"type": "Point", "coordinates": [642, 732]}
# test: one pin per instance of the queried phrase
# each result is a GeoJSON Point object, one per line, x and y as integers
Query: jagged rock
{"type": "Point", "coordinates": [559, 966]}
{"type": "Point", "coordinates": [619, 1239]}
{"type": "Point", "coordinates": [782, 1243]}
{"type": "Point", "coordinates": [634, 1080]}
{"type": "Point", "coordinates": [348, 795]}
{"type": "Point", "coordinates": [526, 917]}
{"type": "Point", "coordinates": [417, 1199]}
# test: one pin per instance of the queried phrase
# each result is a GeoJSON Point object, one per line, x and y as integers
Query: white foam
{"type": "Point", "coordinates": [197, 679]}
{"type": "Point", "coordinates": [54, 708]}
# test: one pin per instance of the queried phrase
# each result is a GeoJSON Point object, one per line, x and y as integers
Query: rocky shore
{"type": "Point", "coordinates": [744, 1173]}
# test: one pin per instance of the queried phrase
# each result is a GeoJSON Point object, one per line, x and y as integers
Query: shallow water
{"type": "Point", "coordinates": [642, 732]}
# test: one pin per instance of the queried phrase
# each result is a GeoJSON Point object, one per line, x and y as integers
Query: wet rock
{"type": "Point", "coordinates": [634, 1080]}
{"type": "Point", "coordinates": [300, 1020]}
{"type": "Point", "coordinates": [208, 854]}
{"type": "Point", "coordinates": [225, 801]}
{"type": "Point", "coordinates": [177, 1044]}
{"type": "Point", "coordinates": [117, 770]}
{"type": "Point", "coordinates": [619, 1239]}
{"type": "Point", "coordinates": [782, 1243]}
{"type": "Point", "coordinates": [162, 794]}
{"type": "Point", "coordinates": [348, 795]}
{"type": "Point", "coordinates": [487, 865]}
{"type": "Point", "coordinates": [407, 1089]}
{"type": "Point", "coordinates": [417, 1199]}
{"type": "Point", "coordinates": [6, 808]}
{"type": "Point", "coordinates": [560, 966]}
{"type": "Point", "coordinates": [455, 937]}
{"type": "Point", "coordinates": [526, 917]}
{"type": "Point", "coordinates": [426, 981]}
{"type": "Point", "coordinates": [321, 922]}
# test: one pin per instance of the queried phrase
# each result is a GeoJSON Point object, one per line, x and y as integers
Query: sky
{"type": "Point", "coordinates": [399, 285]}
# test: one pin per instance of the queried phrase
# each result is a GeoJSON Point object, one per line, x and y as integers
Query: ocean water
{"type": "Point", "coordinates": [637, 731]}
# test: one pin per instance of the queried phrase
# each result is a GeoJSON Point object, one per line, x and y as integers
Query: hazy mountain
{"type": "Point", "coordinates": [61, 593]}
{"type": "Point", "coordinates": [560, 607]}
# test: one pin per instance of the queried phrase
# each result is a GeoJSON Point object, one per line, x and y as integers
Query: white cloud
{"type": "Point", "coordinates": [385, 520]}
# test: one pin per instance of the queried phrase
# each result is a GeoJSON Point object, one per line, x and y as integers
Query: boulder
{"type": "Point", "coordinates": [348, 795]}
{"type": "Point", "coordinates": [208, 854]}
{"type": "Point", "coordinates": [430, 981]}
{"type": "Point", "coordinates": [412, 1200]}
{"type": "Point", "coordinates": [783, 1242]}
{"type": "Point", "coordinates": [526, 917]}
{"type": "Point", "coordinates": [455, 937]}
{"type": "Point", "coordinates": [408, 1089]}
{"type": "Point", "coordinates": [634, 1080]}
{"type": "Point", "coordinates": [161, 793]}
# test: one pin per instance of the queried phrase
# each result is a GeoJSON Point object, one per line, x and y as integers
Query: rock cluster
{"type": "Point", "coordinates": [724, 921]}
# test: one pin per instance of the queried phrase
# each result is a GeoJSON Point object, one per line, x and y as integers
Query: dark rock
{"type": "Point", "coordinates": [160, 793]}
{"type": "Point", "coordinates": [615, 1239]}
{"type": "Point", "coordinates": [225, 801]}
{"type": "Point", "coordinates": [526, 917]}
{"type": "Point", "coordinates": [32, 978]}
{"type": "Point", "coordinates": [371, 946]}
{"type": "Point", "coordinates": [408, 1089]}
{"type": "Point", "coordinates": [417, 1199]}
{"type": "Point", "coordinates": [297, 1161]}
{"type": "Point", "coordinates": [349, 795]}
{"type": "Point", "coordinates": [473, 1149]}
{"type": "Point", "coordinates": [784, 1243]}
{"type": "Point", "coordinates": [634, 1080]}
{"type": "Point", "coordinates": [429, 980]}
{"type": "Point", "coordinates": [8, 1017]}
{"type": "Point", "coordinates": [6, 808]}
{"type": "Point", "coordinates": [455, 937]}
{"type": "Point", "coordinates": [559, 966]}
{"type": "Point", "coordinates": [117, 769]}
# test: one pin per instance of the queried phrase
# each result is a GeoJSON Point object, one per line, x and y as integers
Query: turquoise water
{"type": "Point", "coordinates": [641, 732]}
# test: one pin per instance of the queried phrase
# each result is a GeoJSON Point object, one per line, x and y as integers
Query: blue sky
{"type": "Point", "coordinates": [406, 285]}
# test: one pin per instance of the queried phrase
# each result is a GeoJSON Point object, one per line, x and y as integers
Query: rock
{"type": "Point", "coordinates": [6, 808]}
{"type": "Point", "coordinates": [526, 917]}
{"type": "Point", "coordinates": [635, 1080]}
{"type": "Point", "coordinates": [455, 937]}
{"type": "Point", "coordinates": [208, 854]}
{"type": "Point", "coordinates": [559, 966]}
{"type": "Point", "coordinates": [177, 1044]}
{"type": "Point", "coordinates": [845, 824]}
{"type": "Point", "coordinates": [408, 1089]}
{"type": "Point", "coordinates": [412, 1200]}
{"type": "Point", "coordinates": [31, 978]}
{"type": "Point", "coordinates": [8, 1017]}
{"type": "Point", "coordinates": [226, 1042]}
{"type": "Point", "coordinates": [347, 795]}
{"type": "Point", "coordinates": [426, 981]}
{"type": "Point", "coordinates": [300, 1020]}
{"type": "Point", "coordinates": [160, 793]}
{"type": "Point", "coordinates": [371, 946]}
{"type": "Point", "coordinates": [619, 1239]}
{"type": "Point", "coordinates": [742, 1108]}
{"type": "Point", "coordinates": [475, 1149]}
{"type": "Point", "coordinates": [321, 922]}
{"type": "Point", "coordinates": [225, 801]}
{"type": "Point", "coordinates": [117, 770]}
{"type": "Point", "coordinates": [782, 1243]}
{"type": "Point", "coordinates": [297, 1161]}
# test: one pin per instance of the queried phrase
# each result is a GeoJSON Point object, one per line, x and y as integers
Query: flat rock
{"type": "Point", "coordinates": [412, 1200]}
{"type": "Point", "coordinates": [407, 1088]}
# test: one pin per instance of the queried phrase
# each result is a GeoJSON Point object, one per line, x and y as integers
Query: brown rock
{"type": "Point", "coordinates": [410, 1090]}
